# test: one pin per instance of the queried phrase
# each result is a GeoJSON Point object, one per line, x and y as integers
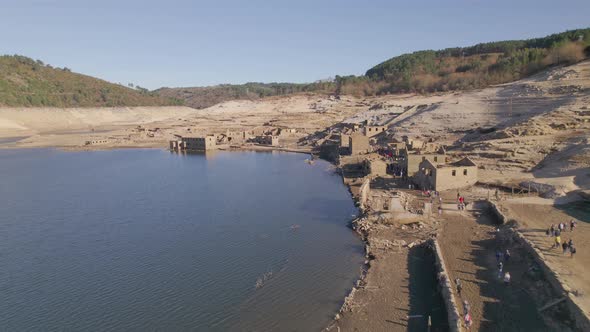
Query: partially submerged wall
{"type": "Point", "coordinates": [453, 316]}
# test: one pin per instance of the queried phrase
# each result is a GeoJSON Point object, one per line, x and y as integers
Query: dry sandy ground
{"type": "Point", "coordinates": [71, 128]}
{"type": "Point", "coordinates": [469, 241]}
{"type": "Point", "coordinates": [534, 217]}
{"type": "Point", "coordinates": [400, 289]}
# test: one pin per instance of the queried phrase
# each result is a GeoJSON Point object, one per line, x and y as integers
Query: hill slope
{"type": "Point", "coordinates": [203, 97]}
{"type": "Point", "coordinates": [475, 66]}
{"type": "Point", "coordinates": [457, 68]}
{"type": "Point", "coordinates": [25, 82]}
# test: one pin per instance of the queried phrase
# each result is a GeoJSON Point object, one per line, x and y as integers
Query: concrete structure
{"type": "Point", "coordinates": [206, 143]}
{"type": "Point", "coordinates": [358, 144]}
{"type": "Point", "coordinates": [440, 177]}
{"type": "Point", "coordinates": [411, 162]}
{"type": "Point", "coordinates": [371, 131]}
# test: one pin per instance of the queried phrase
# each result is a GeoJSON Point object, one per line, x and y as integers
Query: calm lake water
{"type": "Point", "coordinates": [136, 240]}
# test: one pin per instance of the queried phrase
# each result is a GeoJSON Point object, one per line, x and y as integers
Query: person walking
{"type": "Point", "coordinates": [467, 320]}
{"type": "Point", "coordinates": [552, 229]}
{"type": "Point", "coordinates": [572, 225]}
{"type": "Point", "coordinates": [498, 255]}
{"type": "Point", "coordinates": [459, 286]}
{"type": "Point", "coordinates": [440, 210]}
{"type": "Point", "coordinates": [572, 251]}
{"type": "Point", "coordinates": [557, 243]}
{"type": "Point", "coordinates": [500, 268]}
{"type": "Point", "coordinates": [564, 246]}
{"type": "Point", "coordinates": [507, 278]}
{"type": "Point", "coordinates": [466, 307]}
{"type": "Point", "coordinates": [506, 255]}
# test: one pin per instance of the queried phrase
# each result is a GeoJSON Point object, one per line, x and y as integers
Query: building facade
{"type": "Point", "coordinates": [460, 174]}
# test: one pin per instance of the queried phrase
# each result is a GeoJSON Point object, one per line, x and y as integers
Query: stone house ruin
{"type": "Point", "coordinates": [96, 142]}
{"type": "Point", "coordinates": [371, 131]}
{"type": "Point", "coordinates": [266, 140]}
{"type": "Point", "coordinates": [413, 143]}
{"type": "Point", "coordinates": [236, 137]}
{"type": "Point", "coordinates": [344, 140]}
{"type": "Point", "coordinates": [411, 162]}
{"type": "Point", "coordinates": [358, 144]}
{"type": "Point", "coordinates": [375, 167]}
{"type": "Point", "coordinates": [206, 143]}
{"type": "Point", "coordinates": [459, 174]}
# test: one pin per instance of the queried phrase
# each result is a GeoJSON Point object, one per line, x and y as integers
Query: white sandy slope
{"type": "Point", "coordinates": [34, 121]}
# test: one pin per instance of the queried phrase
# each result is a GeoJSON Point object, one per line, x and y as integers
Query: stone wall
{"type": "Point", "coordinates": [365, 191]}
{"type": "Point", "coordinates": [453, 316]}
{"type": "Point", "coordinates": [581, 319]}
{"type": "Point", "coordinates": [464, 176]}
{"type": "Point", "coordinates": [358, 144]}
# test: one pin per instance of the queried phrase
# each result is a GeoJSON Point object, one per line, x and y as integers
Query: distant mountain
{"type": "Point", "coordinates": [25, 82]}
{"type": "Point", "coordinates": [202, 97]}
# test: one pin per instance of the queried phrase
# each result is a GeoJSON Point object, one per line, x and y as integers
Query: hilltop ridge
{"type": "Point", "coordinates": [25, 82]}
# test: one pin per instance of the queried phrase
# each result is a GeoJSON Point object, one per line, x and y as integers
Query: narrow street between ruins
{"type": "Point", "coordinates": [469, 241]}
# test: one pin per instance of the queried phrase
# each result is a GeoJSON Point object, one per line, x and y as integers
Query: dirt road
{"type": "Point", "coordinates": [469, 242]}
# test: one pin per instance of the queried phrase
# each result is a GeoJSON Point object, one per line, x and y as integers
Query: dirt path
{"type": "Point", "coordinates": [469, 242]}
{"type": "Point", "coordinates": [534, 218]}
{"type": "Point", "coordinates": [400, 290]}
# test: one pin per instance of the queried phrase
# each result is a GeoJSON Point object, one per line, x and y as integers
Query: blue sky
{"type": "Point", "coordinates": [196, 43]}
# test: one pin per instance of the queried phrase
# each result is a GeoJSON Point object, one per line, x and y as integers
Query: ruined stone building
{"type": "Point", "coordinates": [371, 131]}
{"type": "Point", "coordinates": [267, 140]}
{"type": "Point", "coordinates": [375, 167]}
{"type": "Point", "coordinates": [413, 143]}
{"type": "Point", "coordinates": [358, 144]}
{"type": "Point", "coordinates": [459, 174]}
{"type": "Point", "coordinates": [411, 161]}
{"type": "Point", "coordinates": [344, 140]}
{"type": "Point", "coordinates": [236, 137]}
{"type": "Point", "coordinates": [206, 143]}
{"type": "Point", "coordinates": [398, 148]}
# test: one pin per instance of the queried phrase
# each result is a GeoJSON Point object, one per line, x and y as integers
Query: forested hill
{"type": "Point", "coordinates": [469, 67]}
{"type": "Point", "coordinates": [25, 82]}
{"type": "Point", "coordinates": [459, 68]}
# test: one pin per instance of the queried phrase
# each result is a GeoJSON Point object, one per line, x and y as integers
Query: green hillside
{"type": "Point", "coordinates": [470, 67]}
{"type": "Point", "coordinates": [25, 82]}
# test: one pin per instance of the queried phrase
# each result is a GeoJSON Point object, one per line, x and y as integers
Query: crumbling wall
{"type": "Point", "coordinates": [365, 191]}
{"type": "Point", "coordinates": [453, 316]}
{"type": "Point", "coordinates": [445, 179]}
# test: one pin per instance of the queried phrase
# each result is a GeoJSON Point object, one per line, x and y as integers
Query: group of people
{"type": "Point", "coordinates": [466, 307]}
{"type": "Point", "coordinates": [556, 231]}
{"type": "Point", "coordinates": [561, 227]}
